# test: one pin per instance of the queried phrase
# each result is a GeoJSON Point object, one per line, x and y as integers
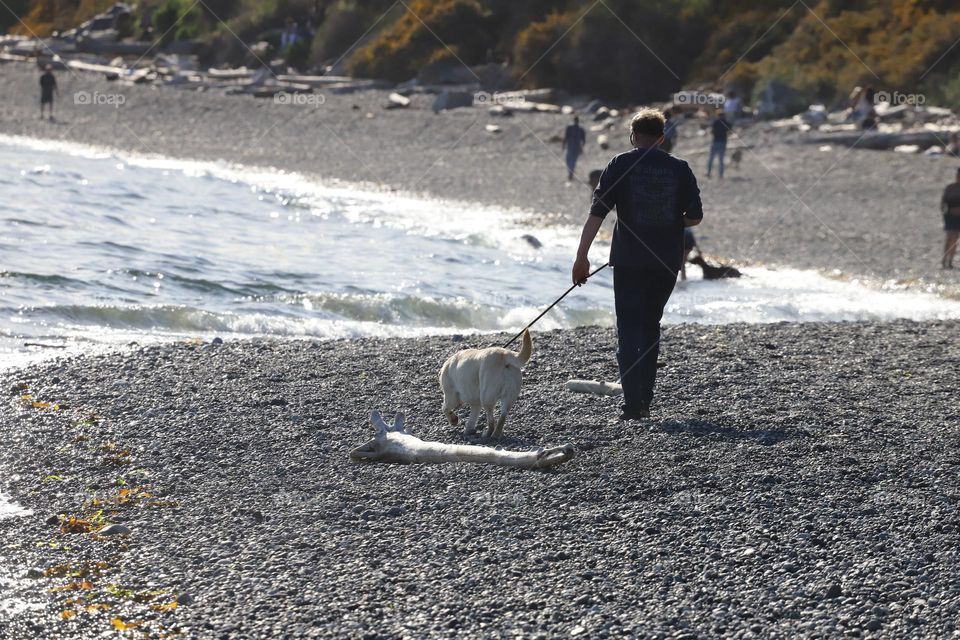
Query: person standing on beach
{"type": "Point", "coordinates": [731, 106]}
{"type": "Point", "coordinates": [669, 132]}
{"type": "Point", "coordinates": [718, 149]}
{"type": "Point", "coordinates": [656, 197]}
{"type": "Point", "coordinates": [48, 86]}
{"type": "Point", "coordinates": [574, 139]}
{"type": "Point", "coordinates": [950, 205]}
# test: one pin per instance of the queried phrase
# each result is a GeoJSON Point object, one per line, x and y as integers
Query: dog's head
{"type": "Point", "coordinates": [375, 449]}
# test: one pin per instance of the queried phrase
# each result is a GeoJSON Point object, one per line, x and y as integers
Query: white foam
{"type": "Point", "coordinates": [358, 203]}
{"type": "Point", "coordinates": [517, 280]}
{"type": "Point", "coordinates": [10, 509]}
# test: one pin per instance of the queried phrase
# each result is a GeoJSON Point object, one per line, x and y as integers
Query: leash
{"type": "Point", "coordinates": [555, 303]}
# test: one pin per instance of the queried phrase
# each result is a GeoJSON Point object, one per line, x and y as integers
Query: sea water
{"type": "Point", "coordinates": [99, 249]}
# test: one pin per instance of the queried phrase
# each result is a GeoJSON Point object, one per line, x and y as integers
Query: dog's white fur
{"type": "Point", "coordinates": [479, 378]}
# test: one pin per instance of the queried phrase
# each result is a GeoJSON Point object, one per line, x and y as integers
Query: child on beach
{"type": "Point", "coordinates": [574, 139]}
{"type": "Point", "coordinates": [48, 86]}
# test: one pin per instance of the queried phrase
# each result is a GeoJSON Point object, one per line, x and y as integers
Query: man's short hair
{"type": "Point", "coordinates": [648, 122]}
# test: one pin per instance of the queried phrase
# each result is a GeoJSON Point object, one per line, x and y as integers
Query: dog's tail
{"type": "Point", "coordinates": [527, 349]}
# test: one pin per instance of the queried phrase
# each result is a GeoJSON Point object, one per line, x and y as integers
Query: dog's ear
{"type": "Point", "coordinates": [398, 421]}
{"type": "Point", "coordinates": [376, 421]}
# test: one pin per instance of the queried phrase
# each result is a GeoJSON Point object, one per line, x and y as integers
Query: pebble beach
{"type": "Point", "coordinates": [796, 479]}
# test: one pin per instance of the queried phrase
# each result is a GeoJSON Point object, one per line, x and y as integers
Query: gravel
{"type": "Point", "coordinates": [861, 214]}
{"type": "Point", "coordinates": [795, 479]}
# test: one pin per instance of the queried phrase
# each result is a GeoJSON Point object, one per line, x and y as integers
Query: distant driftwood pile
{"type": "Point", "coordinates": [901, 127]}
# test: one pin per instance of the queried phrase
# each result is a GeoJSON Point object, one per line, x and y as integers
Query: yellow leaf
{"type": "Point", "coordinates": [93, 608]}
{"type": "Point", "coordinates": [120, 625]}
{"type": "Point", "coordinates": [67, 614]}
{"type": "Point", "coordinates": [170, 606]}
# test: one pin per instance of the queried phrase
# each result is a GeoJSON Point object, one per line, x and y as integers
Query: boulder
{"type": "Point", "coordinates": [447, 71]}
{"type": "Point", "coordinates": [397, 101]}
{"type": "Point", "coordinates": [452, 100]}
{"type": "Point", "coordinates": [114, 530]}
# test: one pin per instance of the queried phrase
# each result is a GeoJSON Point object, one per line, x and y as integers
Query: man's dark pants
{"type": "Point", "coordinates": [640, 295]}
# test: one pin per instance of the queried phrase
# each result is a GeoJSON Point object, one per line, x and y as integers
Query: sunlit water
{"type": "Point", "coordinates": [98, 250]}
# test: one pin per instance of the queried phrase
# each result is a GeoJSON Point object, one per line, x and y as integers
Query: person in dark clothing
{"type": "Point", "coordinates": [574, 139]}
{"type": "Point", "coordinates": [950, 205]}
{"type": "Point", "coordinates": [718, 149]}
{"type": "Point", "coordinates": [669, 132]}
{"type": "Point", "coordinates": [48, 86]}
{"type": "Point", "coordinates": [656, 197]}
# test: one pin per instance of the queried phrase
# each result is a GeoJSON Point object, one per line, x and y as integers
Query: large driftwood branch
{"type": "Point", "coordinates": [392, 443]}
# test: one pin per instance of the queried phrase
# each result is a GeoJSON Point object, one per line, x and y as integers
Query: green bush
{"type": "Point", "coordinates": [344, 24]}
{"type": "Point", "coordinates": [297, 54]}
{"type": "Point", "coordinates": [177, 20]}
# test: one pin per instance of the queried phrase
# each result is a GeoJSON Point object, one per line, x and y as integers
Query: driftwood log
{"type": "Point", "coordinates": [393, 443]}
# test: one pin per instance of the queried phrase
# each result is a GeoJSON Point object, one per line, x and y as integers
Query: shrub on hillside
{"type": "Point", "coordinates": [430, 30]}
{"type": "Point", "coordinates": [623, 49]}
{"type": "Point", "coordinates": [177, 20]}
{"type": "Point", "coordinates": [343, 26]}
{"type": "Point", "coordinates": [42, 17]}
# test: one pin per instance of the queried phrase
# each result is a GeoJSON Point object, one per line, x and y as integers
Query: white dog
{"type": "Point", "coordinates": [481, 377]}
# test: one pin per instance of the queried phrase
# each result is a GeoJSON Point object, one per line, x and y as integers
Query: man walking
{"type": "Point", "coordinates": [48, 86]}
{"type": "Point", "coordinates": [656, 197]}
{"type": "Point", "coordinates": [720, 128]}
{"type": "Point", "coordinates": [574, 139]}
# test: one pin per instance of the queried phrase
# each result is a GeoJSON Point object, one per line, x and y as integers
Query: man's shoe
{"type": "Point", "coordinates": [635, 414]}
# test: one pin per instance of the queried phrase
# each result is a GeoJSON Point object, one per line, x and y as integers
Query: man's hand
{"type": "Point", "coordinates": [581, 269]}
{"type": "Point", "coordinates": [691, 222]}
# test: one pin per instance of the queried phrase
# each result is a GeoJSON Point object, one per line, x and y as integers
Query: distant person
{"type": "Point", "coordinates": [669, 132]}
{"type": "Point", "coordinates": [574, 139]}
{"type": "Point", "coordinates": [290, 35]}
{"type": "Point", "coordinates": [593, 179]}
{"type": "Point", "coordinates": [731, 106]}
{"type": "Point", "coordinates": [861, 103]}
{"type": "Point", "coordinates": [48, 87]}
{"type": "Point", "coordinates": [950, 205]}
{"type": "Point", "coordinates": [953, 147]}
{"type": "Point", "coordinates": [720, 128]}
{"type": "Point", "coordinates": [656, 197]}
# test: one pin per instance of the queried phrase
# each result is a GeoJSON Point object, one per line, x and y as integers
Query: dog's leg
{"type": "Point", "coordinates": [488, 409]}
{"type": "Point", "coordinates": [504, 410]}
{"type": "Point", "coordinates": [472, 420]}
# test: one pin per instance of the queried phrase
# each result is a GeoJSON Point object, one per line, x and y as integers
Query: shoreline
{"type": "Point", "coordinates": [867, 214]}
{"type": "Point", "coordinates": [775, 474]}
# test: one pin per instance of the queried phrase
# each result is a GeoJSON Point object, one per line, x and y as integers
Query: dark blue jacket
{"type": "Point", "coordinates": [652, 191]}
